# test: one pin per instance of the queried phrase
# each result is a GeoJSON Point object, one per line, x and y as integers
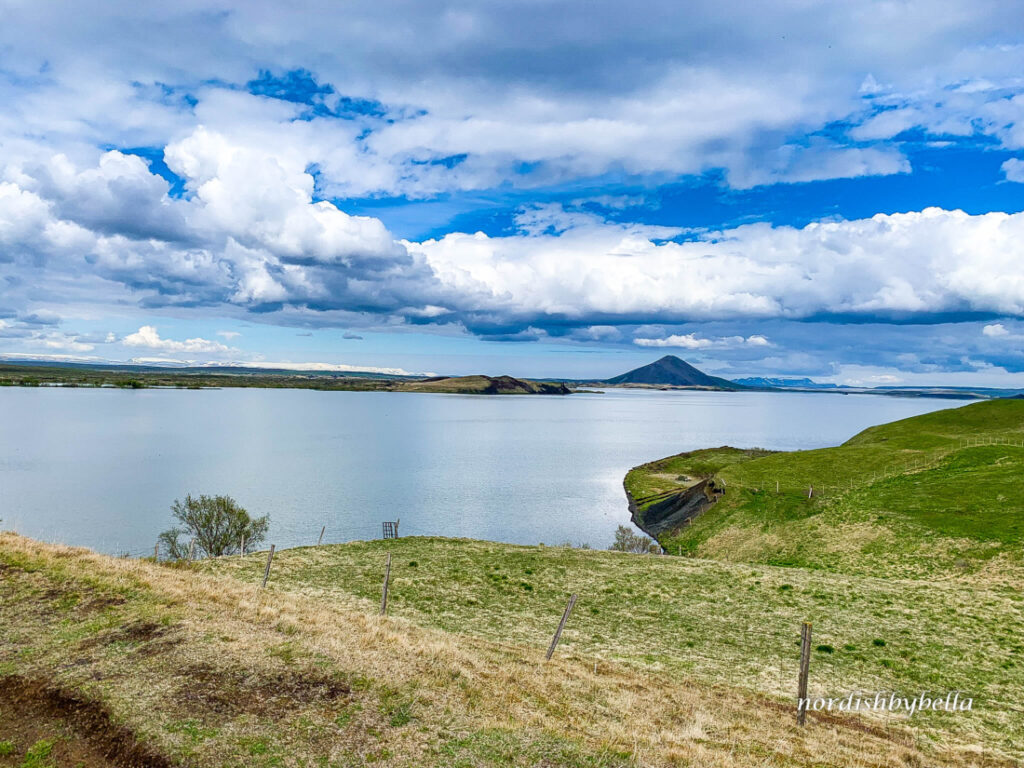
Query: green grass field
{"type": "Point", "coordinates": [666, 662]}
{"type": "Point", "coordinates": [680, 618]}
{"type": "Point", "coordinates": [935, 495]}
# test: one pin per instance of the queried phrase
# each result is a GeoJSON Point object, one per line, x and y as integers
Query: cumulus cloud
{"type": "Point", "coordinates": [1003, 337]}
{"type": "Point", "coordinates": [919, 264]}
{"type": "Point", "coordinates": [253, 237]}
{"type": "Point", "coordinates": [148, 337]}
{"type": "Point", "coordinates": [692, 341]}
{"type": "Point", "coordinates": [117, 196]}
{"type": "Point", "coordinates": [1013, 169]}
{"type": "Point", "coordinates": [263, 198]}
{"type": "Point", "coordinates": [689, 341]}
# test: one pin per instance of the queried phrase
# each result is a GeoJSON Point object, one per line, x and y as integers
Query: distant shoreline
{"type": "Point", "coordinates": [114, 377]}
{"type": "Point", "coordinates": [151, 377]}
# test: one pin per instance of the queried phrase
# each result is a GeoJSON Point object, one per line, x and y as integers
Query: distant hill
{"type": "Point", "coordinates": [485, 385]}
{"type": "Point", "coordinates": [763, 382]}
{"type": "Point", "coordinates": [670, 371]}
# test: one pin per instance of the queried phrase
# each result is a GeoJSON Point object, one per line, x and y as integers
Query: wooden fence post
{"type": "Point", "coordinates": [191, 549]}
{"type": "Point", "coordinates": [561, 626]}
{"type": "Point", "coordinates": [156, 552]}
{"type": "Point", "coordinates": [384, 590]}
{"type": "Point", "coordinates": [805, 667]}
{"type": "Point", "coordinates": [241, 546]}
{"type": "Point", "coordinates": [321, 539]}
{"type": "Point", "coordinates": [266, 571]}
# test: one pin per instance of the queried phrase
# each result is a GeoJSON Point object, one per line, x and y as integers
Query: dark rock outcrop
{"type": "Point", "coordinates": [485, 385]}
{"type": "Point", "coordinates": [675, 508]}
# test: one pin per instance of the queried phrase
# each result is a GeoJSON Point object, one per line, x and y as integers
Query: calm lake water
{"type": "Point", "coordinates": [100, 468]}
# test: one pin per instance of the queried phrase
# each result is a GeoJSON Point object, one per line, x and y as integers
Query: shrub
{"type": "Point", "coordinates": [627, 541]}
{"type": "Point", "coordinates": [217, 523]}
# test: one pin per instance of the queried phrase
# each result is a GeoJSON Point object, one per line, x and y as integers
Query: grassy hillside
{"type": "Point", "coordinates": [933, 495]}
{"type": "Point", "coordinates": [197, 666]}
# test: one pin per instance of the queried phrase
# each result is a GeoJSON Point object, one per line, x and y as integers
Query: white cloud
{"type": "Point", "coordinates": [688, 341]}
{"type": "Point", "coordinates": [1002, 335]}
{"type": "Point", "coordinates": [229, 335]}
{"type": "Point", "coordinates": [263, 198]}
{"type": "Point", "coordinates": [473, 95]}
{"type": "Point", "coordinates": [251, 237]}
{"type": "Point", "coordinates": [792, 164]}
{"type": "Point", "coordinates": [148, 337]}
{"type": "Point", "coordinates": [1013, 169]}
{"type": "Point", "coordinates": [692, 341]}
{"type": "Point", "coordinates": [329, 367]}
{"type": "Point", "coordinates": [887, 124]}
{"type": "Point", "coordinates": [923, 262]}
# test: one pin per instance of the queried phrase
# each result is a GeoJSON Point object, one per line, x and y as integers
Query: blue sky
{"type": "Point", "coordinates": [564, 189]}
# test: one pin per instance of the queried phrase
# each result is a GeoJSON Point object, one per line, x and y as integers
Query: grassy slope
{"type": "Point", "coordinates": [202, 667]}
{"type": "Point", "coordinates": [907, 499]}
{"type": "Point", "coordinates": [683, 618]}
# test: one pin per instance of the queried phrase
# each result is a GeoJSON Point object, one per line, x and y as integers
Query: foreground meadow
{"type": "Point", "coordinates": [660, 665]}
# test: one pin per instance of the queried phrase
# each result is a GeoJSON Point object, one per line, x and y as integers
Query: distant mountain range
{"type": "Point", "coordinates": [761, 382]}
{"type": "Point", "coordinates": [670, 371]}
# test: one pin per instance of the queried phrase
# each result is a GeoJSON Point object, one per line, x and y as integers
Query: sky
{"type": "Point", "coordinates": [572, 188]}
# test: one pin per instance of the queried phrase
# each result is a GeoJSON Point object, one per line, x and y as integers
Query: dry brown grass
{"type": "Point", "coordinates": [210, 670]}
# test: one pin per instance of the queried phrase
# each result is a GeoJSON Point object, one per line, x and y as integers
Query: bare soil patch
{"type": "Point", "coordinates": [73, 730]}
{"type": "Point", "coordinates": [237, 691]}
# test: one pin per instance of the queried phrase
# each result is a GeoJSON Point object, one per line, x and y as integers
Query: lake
{"type": "Point", "coordinates": [100, 468]}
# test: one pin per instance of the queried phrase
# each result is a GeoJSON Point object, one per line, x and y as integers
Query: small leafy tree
{"type": "Point", "coordinates": [627, 541]}
{"type": "Point", "coordinates": [217, 523]}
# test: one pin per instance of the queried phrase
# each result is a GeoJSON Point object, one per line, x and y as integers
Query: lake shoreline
{"type": "Point", "coordinates": [97, 470]}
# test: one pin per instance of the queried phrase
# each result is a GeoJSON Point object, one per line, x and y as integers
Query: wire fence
{"type": "Point", "coordinates": [764, 654]}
